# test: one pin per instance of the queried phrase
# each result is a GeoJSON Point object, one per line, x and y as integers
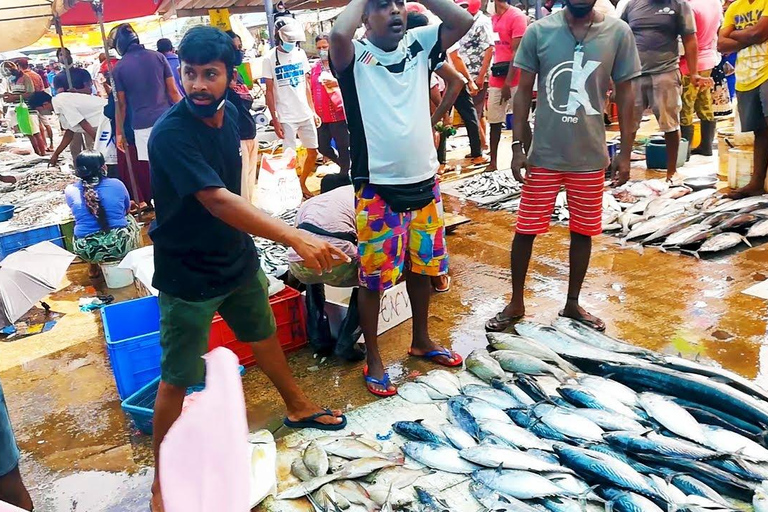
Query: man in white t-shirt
{"type": "Point", "coordinates": [384, 80]}
{"type": "Point", "coordinates": [289, 93]}
{"type": "Point", "coordinates": [79, 115]}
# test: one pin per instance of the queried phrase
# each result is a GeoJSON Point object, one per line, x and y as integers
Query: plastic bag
{"type": "Point", "coordinates": [23, 118]}
{"type": "Point", "coordinates": [278, 188]}
{"type": "Point", "coordinates": [105, 141]}
{"type": "Point", "coordinates": [205, 458]}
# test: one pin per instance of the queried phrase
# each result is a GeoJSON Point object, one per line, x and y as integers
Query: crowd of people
{"type": "Point", "coordinates": [374, 104]}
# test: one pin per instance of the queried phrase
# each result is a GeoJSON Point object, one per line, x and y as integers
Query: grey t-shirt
{"type": "Point", "coordinates": [569, 132]}
{"type": "Point", "coordinates": [657, 24]}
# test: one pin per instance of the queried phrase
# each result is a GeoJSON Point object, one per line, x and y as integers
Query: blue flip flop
{"type": "Point", "coordinates": [384, 383]}
{"type": "Point", "coordinates": [437, 353]}
{"type": "Point", "coordinates": [310, 422]}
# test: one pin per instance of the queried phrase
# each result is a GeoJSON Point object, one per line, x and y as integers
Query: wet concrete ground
{"type": "Point", "coordinates": [80, 452]}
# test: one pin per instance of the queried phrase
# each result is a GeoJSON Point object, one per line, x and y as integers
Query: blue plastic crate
{"type": "Point", "coordinates": [12, 242]}
{"type": "Point", "coordinates": [132, 331]}
{"type": "Point", "coordinates": [140, 406]}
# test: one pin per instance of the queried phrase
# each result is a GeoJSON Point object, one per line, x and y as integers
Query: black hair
{"type": "Point", "coordinates": [203, 45]}
{"type": "Point", "coordinates": [232, 34]}
{"type": "Point", "coordinates": [38, 99]}
{"type": "Point", "coordinates": [322, 37]}
{"type": "Point", "coordinates": [333, 181]}
{"type": "Point", "coordinates": [415, 20]}
{"type": "Point", "coordinates": [89, 167]}
{"type": "Point", "coordinates": [23, 63]}
{"type": "Point", "coordinates": [164, 45]}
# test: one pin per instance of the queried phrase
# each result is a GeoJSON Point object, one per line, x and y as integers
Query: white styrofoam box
{"type": "Point", "coordinates": [395, 307]}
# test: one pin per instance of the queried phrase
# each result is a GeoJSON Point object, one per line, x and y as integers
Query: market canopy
{"type": "Point", "coordinates": [81, 12]}
{"type": "Point", "coordinates": [200, 7]}
{"type": "Point", "coordinates": [22, 22]}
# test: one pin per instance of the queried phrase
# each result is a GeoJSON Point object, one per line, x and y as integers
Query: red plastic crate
{"type": "Point", "coordinates": [288, 309]}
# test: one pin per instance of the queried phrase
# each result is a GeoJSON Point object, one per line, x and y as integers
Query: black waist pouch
{"type": "Point", "coordinates": [407, 198]}
{"type": "Point", "coordinates": [500, 69]}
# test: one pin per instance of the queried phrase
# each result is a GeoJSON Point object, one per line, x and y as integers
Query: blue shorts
{"type": "Point", "coordinates": [9, 452]}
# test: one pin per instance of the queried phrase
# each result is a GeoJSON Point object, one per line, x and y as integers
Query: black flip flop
{"type": "Point", "coordinates": [584, 321]}
{"type": "Point", "coordinates": [310, 422]}
{"type": "Point", "coordinates": [501, 323]}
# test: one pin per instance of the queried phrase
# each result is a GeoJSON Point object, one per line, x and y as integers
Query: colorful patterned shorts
{"type": "Point", "coordinates": [385, 238]}
{"type": "Point", "coordinates": [698, 100]}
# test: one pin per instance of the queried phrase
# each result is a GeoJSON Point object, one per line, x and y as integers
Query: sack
{"type": "Point", "coordinates": [500, 69]}
{"type": "Point", "coordinates": [406, 198]}
{"type": "Point", "coordinates": [278, 188]}
{"type": "Point", "coordinates": [105, 141]}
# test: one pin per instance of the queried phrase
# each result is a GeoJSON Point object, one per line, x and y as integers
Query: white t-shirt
{"type": "Point", "coordinates": [386, 99]}
{"type": "Point", "coordinates": [289, 74]}
{"type": "Point", "coordinates": [73, 107]}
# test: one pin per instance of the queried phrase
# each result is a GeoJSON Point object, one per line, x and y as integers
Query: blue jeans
{"type": "Point", "coordinates": [9, 452]}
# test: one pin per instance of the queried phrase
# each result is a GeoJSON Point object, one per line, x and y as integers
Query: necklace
{"type": "Point", "coordinates": [580, 43]}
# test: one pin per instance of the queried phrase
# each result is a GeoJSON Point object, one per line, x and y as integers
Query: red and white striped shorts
{"type": "Point", "coordinates": [584, 191]}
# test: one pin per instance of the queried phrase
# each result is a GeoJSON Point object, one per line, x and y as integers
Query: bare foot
{"type": "Point", "coordinates": [748, 191]}
{"type": "Point", "coordinates": [670, 176]}
{"type": "Point", "coordinates": [303, 411]}
{"type": "Point", "coordinates": [491, 167]}
{"type": "Point", "coordinates": [579, 314]}
{"type": "Point", "coordinates": [94, 271]}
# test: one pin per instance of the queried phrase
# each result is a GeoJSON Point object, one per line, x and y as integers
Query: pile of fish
{"type": "Point", "coordinates": [496, 190]}
{"type": "Point", "coordinates": [696, 223]}
{"type": "Point", "coordinates": [274, 256]}
{"type": "Point", "coordinates": [561, 418]}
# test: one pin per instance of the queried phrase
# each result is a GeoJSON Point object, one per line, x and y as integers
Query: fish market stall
{"type": "Point", "coordinates": [553, 418]}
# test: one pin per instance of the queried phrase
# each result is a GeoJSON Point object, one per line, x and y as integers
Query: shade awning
{"type": "Point", "coordinates": [22, 22]}
{"type": "Point", "coordinates": [183, 8]}
{"type": "Point", "coordinates": [114, 10]}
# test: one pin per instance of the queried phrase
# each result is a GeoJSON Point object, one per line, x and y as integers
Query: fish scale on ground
{"type": "Point", "coordinates": [626, 439]}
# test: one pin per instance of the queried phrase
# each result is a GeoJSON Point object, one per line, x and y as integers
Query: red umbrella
{"type": "Point", "coordinates": [114, 10]}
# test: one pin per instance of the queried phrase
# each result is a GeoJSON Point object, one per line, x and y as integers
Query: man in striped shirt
{"type": "Point", "coordinates": [576, 53]}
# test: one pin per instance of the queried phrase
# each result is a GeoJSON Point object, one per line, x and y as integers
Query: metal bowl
{"type": "Point", "coordinates": [700, 182]}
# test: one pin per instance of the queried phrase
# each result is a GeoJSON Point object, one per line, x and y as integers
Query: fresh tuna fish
{"type": "Point", "coordinates": [527, 420]}
{"type": "Point", "coordinates": [483, 366]}
{"type": "Point", "coordinates": [522, 485]}
{"type": "Point", "coordinates": [619, 391]}
{"type": "Point", "coordinates": [648, 227]}
{"type": "Point", "coordinates": [457, 436]}
{"type": "Point", "coordinates": [685, 235]}
{"type": "Point", "coordinates": [683, 223]}
{"type": "Point", "coordinates": [359, 468]}
{"type": "Point", "coordinates": [415, 431]}
{"type": "Point", "coordinates": [436, 381]}
{"type": "Point", "coordinates": [583, 397]}
{"type": "Point", "coordinates": [493, 500]}
{"type": "Point", "coordinates": [656, 206]}
{"type": "Point", "coordinates": [507, 341]}
{"type": "Point", "coordinates": [725, 441]}
{"type": "Point", "coordinates": [759, 229]}
{"type": "Point", "coordinates": [571, 483]}
{"type": "Point", "coordinates": [514, 435]}
{"type": "Point", "coordinates": [584, 334]}
{"type": "Point", "coordinates": [677, 192]}
{"type": "Point", "coordinates": [530, 387]}
{"type": "Point", "coordinates": [716, 219]}
{"type": "Point", "coordinates": [518, 395]}
{"type": "Point", "coordinates": [625, 501]}
{"type": "Point", "coordinates": [739, 204]}
{"type": "Point", "coordinates": [720, 374]}
{"type": "Point", "coordinates": [429, 502]}
{"type": "Point", "coordinates": [611, 421]}
{"type": "Point", "coordinates": [568, 423]}
{"type": "Point", "coordinates": [762, 213]}
{"type": "Point", "coordinates": [693, 487]}
{"type": "Point", "coordinates": [722, 242]}
{"type": "Point", "coordinates": [461, 417]}
{"type": "Point", "coordinates": [698, 238]}
{"type": "Point", "coordinates": [658, 444]}
{"type": "Point", "coordinates": [415, 393]}
{"type": "Point", "coordinates": [672, 417]}
{"type": "Point", "coordinates": [517, 362]}
{"type": "Point", "coordinates": [738, 221]}
{"type": "Point", "coordinates": [479, 409]}
{"type": "Point", "coordinates": [315, 459]}
{"type": "Point", "coordinates": [507, 458]}
{"type": "Point", "coordinates": [437, 456]}
{"type": "Point", "coordinates": [494, 396]}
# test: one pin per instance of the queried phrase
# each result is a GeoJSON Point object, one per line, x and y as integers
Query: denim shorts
{"type": "Point", "coordinates": [9, 451]}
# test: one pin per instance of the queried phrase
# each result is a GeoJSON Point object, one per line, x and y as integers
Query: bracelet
{"type": "Point", "coordinates": [516, 142]}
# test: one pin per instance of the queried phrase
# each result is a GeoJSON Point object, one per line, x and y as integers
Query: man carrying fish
{"type": "Point", "coordinates": [384, 79]}
{"type": "Point", "coordinates": [576, 53]}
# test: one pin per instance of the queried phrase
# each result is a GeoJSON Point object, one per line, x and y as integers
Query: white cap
{"type": "Point", "coordinates": [290, 30]}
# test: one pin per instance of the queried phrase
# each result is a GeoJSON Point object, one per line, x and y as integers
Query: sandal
{"type": "Point", "coordinates": [384, 383]}
{"type": "Point", "coordinates": [434, 354]}
{"type": "Point", "coordinates": [595, 324]}
{"type": "Point", "coordinates": [311, 422]}
{"type": "Point", "coordinates": [446, 288]}
{"type": "Point", "coordinates": [501, 323]}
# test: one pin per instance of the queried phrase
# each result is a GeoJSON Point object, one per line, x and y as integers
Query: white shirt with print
{"type": "Point", "coordinates": [288, 72]}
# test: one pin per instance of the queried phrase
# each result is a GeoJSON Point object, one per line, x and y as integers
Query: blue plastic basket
{"type": "Point", "coordinates": [6, 212]}
{"type": "Point", "coordinates": [132, 331]}
{"type": "Point", "coordinates": [140, 406]}
{"type": "Point", "coordinates": [12, 242]}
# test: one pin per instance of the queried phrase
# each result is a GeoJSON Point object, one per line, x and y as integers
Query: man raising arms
{"type": "Point", "coordinates": [576, 53]}
{"type": "Point", "coordinates": [384, 81]}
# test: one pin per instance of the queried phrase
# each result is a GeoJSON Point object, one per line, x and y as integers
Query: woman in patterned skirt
{"type": "Point", "coordinates": [104, 231]}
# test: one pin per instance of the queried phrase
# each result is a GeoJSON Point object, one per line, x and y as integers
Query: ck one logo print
{"type": "Point", "coordinates": [567, 88]}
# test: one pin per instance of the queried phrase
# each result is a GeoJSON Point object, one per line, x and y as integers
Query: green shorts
{"type": "Point", "coordinates": [185, 327]}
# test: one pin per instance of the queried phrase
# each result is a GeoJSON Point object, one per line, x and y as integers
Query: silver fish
{"type": "Point", "coordinates": [522, 485]}
{"type": "Point", "coordinates": [493, 500]}
{"type": "Point", "coordinates": [457, 436]}
{"type": "Point", "coordinates": [672, 417]}
{"type": "Point", "coordinates": [737, 221]}
{"type": "Point", "coordinates": [572, 484]}
{"type": "Point", "coordinates": [435, 456]}
{"type": "Point", "coordinates": [762, 213]}
{"type": "Point", "coordinates": [619, 391]}
{"type": "Point", "coordinates": [567, 422]}
{"type": "Point", "coordinates": [513, 390]}
{"type": "Point", "coordinates": [725, 441]}
{"type": "Point", "coordinates": [355, 449]}
{"type": "Point", "coordinates": [722, 242]}
{"type": "Point", "coordinates": [701, 236]}
{"type": "Point", "coordinates": [300, 470]}
{"type": "Point", "coordinates": [647, 227]}
{"type": "Point", "coordinates": [508, 458]}
{"type": "Point", "coordinates": [355, 493]}
{"type": "Point", "coordinates": [483, 366]}
{"type": "Point", "coordinates": [498, 398]}
{"type": "Point", "coordinates": [608, 420]}
{"type": "Point", "coordinates": [315, 459]}
{"type": "Point", "coordinates": [760, 499]}
{"type": "Point", "coordinates": [362, 467]}
{"type": "Point", "coordinates": [717, 218]}
{"type": "Point", "coordinates": [397, 476]}
{"type": "Point", "coordinates": [656, 206]}
{"type": "Point", "coordinates": [335, 463]}
{"type": "Point", "coordinates": [587, 335]}
{"type": "Point", "coordinates": [739, 204]}
{"type": "Point", "coordinates": [514, 435]}
{"type": "Point", "coordinates": [416, 393]}
{"type": "Point", "coordinates": [507, 341]}
{"type": "Point", "coordinates": [758, 229]}
{"type": "Point", "coordinates": [381, 494]}
{"type": "Point", "coordinates": [479, 409]}
{"type": "Point", "coordinates": [446, 375]}
{"type": "Point", "coordinates": [682, 236]}
{"type": "Point", "coordinates": [629, 501]}
{"type": "Point", "coordinates": [517, 362]}
{"type": "Point", "coordinates": [683, 223]}
{"type": "Point", "coordinates": [585, 397]}
{"type": "Point", "coordinates": [445, 387]}
{"type": "Point", "coordinates": [304, 488]}
{"type": "Point", "coordinates": [326, 497]}
{"type": "Point", "coordinates": [654, 443]}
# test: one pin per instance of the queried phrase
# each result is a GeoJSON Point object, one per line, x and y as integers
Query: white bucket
{"type": "Point", "coordinates": [116, 277]}
{"type": "Point", "coordinates": [740, 164]}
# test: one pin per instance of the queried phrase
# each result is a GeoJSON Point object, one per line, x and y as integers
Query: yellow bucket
{"type": "Point", "coordinates": [696, 134]}
{"type": "Point", "coordinates": [740, 166]}
{"type": "Point", "coordinates": [726, 140]}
